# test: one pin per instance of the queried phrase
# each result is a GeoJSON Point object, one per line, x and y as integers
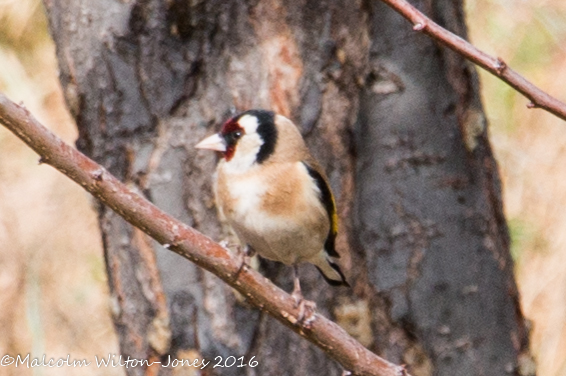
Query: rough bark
{"type": "Point", "coordinates": [395, 121]}
{"type": "Point", "coordinates": [429, 209]}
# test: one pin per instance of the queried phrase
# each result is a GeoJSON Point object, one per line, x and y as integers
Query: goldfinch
{"type": "Point", "coordinates": [274, 195]}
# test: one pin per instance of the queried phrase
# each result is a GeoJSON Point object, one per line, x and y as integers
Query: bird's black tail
{"type": "Point", "coordinates": [331, 272]}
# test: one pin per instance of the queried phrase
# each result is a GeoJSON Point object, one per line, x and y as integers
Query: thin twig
{"type": "Point", "coordinates": [191, 244]}
{"type": "Point", "coordinates": [496, 66]}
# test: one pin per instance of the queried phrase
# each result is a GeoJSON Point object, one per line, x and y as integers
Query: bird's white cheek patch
{"type": "Point", "coordinates": [245, 155]}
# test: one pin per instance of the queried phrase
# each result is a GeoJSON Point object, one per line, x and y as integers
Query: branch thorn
{"type": "Point", "coordinates": [531, 105]}
{"type": "Point", "coordinates": [97, 175]}
{"type": "Point", "coordinates": [23, 107]}
{"type": "Point", "coordinates": [402, 370]}
{"type": "Point", "coordinates": [419, 26]}
{"type": "Point", "coordinates": [500, 66]}
{"type": "Point", "coordinates": [170, 245]}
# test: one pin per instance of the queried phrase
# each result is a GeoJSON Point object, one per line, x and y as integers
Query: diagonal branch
{"type": "Point", "coordinates": [191, 244]}
{"type": "Point", "coordinates": [495, 66]}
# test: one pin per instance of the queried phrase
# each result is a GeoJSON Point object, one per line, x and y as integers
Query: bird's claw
{"type": "Point", "coordinates": [306, 308]}
{"type": "Point", "coordinates": [224, 244]}
{"type": "Point", "coordinates": [245, 252]}
{"type": "Point", "coordinates": [248, 251]}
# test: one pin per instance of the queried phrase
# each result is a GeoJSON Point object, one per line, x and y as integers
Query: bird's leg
{"type": "Point", "coordinates": [306, 307]}
{"type": "Point", "coordinates": [296, 294]}
{"type": "Point", "coordinates": [246, 252]}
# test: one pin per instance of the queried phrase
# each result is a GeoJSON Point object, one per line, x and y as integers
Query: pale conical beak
{"type": "Point", "coordinates": [214, 142]}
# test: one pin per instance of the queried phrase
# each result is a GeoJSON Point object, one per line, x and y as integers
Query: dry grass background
{"type": "Point", "coordinates": [530, 146]}
{"type": "Point", "coordinates": [53, 293]}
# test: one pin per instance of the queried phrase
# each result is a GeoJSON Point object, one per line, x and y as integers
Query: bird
{"type": "Point", "coordinates": [275, 195]}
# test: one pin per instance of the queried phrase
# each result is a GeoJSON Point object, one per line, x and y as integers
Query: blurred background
{"type": "Point", "coordinates": [53, 292]}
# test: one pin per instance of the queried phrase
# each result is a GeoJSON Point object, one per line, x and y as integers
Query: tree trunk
{"type": "Point", "coordinates": [395, 120]}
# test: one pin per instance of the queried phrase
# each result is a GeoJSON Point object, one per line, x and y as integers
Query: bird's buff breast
{"type": "Point", "coordinates": [279, 218]}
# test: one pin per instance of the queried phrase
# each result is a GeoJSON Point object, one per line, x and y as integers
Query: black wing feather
{"type": "Point", "coordinates": [327, 200]}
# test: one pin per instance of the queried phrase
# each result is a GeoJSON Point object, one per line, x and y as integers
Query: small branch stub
{"type": "Point", "coordinates": [531, 105]}
{"type": "Point", "coordinates": [500, 66]}
{"type": "Point", "coordinates": [419, 26]}
{"type": "Point", "coordinates": [98, 174]}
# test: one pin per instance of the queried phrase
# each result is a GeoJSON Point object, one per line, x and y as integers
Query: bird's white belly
{"type": "Point", "coordinates": [275, 237]}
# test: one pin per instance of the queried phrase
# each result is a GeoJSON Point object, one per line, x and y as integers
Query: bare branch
{"type": "Point", "coordinates": [191, 244]}
{"type": "Point", "coordinates": [496, 66]}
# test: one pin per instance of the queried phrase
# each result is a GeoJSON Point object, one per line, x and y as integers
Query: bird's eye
{"type": "Point", "coordinates": [232, 137]}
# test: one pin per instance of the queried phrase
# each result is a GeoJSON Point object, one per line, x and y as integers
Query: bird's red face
{"type": "Point", "coordinates": [231, 132]}
{"type": "Point", "coordinates": [226, 140]}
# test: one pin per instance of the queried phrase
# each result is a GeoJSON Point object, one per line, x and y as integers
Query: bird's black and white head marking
{"type": "Point", "coordinates": [250, 137]}
{"type": "Point", "coordinates": [267, 132]}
